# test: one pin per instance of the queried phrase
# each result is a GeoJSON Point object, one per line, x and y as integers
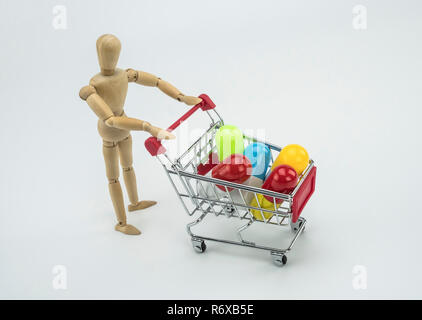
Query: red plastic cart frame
{"type": "Point", "coordinates": [304, 193]}
{"type": "Point", "coordinates": [154, 146]}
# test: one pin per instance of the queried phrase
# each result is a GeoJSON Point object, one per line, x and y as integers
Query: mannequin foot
{"type": "Point", "coordinates": [141, 205]}
{"type": "Point", "coordinates": [127, 229]}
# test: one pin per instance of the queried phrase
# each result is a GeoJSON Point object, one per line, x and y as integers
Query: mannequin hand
{"type": "Point", "coordinates": [189, 100]}
{"type": "Point", "coordinates": [160, 133]}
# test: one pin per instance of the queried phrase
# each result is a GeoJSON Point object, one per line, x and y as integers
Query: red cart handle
{"type": "Point", "coordinates": [154, 146]}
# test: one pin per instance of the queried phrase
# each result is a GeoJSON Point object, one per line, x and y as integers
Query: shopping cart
{"type": "Point", "coordinates": [190, 188]}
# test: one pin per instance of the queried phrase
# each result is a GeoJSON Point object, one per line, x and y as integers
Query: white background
{"type": "Point", "coordinates": [297, 69]}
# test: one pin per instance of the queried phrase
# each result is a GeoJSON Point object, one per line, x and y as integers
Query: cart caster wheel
{"type": "Point", "coordinates": [296, 226]}
{"type": "Point", "coordinates": [229, 209]}
{"type": "Point", "coordinates": [199, 245]}
{"type": "Point", "coordinates": [279, 259]}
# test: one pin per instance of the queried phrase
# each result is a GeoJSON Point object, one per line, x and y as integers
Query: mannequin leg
{"type": "Point", "coordinates": [111, 159]}
{"type": "Point", "coordinates": [126, 160]}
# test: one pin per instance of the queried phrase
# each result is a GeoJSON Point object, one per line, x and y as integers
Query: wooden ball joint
{"type": "Point", "coordinates": [105, 95]}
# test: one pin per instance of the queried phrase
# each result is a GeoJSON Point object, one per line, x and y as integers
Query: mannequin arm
{"type": "Point", "coordinates": [126, 123]}
{"type": "Point", "coordinates": [148, 79]}
{"type": "Point", "coordinates": [103, 111]}
{"type": "Point", "coordinates": [95, 102]}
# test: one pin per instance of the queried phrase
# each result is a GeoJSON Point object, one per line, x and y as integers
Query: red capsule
{"type": "Point", "coordinates": [235, 168]}
{"type": "Point", "coordinates": [282, 179]}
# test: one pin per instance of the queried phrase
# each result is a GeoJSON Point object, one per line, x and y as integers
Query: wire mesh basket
{"type": "Point", "coordinates": [203, 195]}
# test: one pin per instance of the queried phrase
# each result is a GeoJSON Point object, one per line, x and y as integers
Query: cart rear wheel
{"type": "Point", "coordinates": [199, 245]}
{"type": "Point", "coordinates": [279, 259]}
{"type": "Point", "coordinates": [296, 226]}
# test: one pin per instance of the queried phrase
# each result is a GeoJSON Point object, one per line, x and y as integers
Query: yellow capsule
{"type": "Point", "coordinates": [264, 204]}
{"type": "Point", "coordinates": [293, 155]}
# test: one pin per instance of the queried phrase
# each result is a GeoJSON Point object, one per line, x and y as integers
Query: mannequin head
{"type": "Point", "coordinates": [108, 50]}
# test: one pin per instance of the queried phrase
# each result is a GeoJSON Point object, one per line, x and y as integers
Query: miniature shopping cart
{"type": "Point", "coordinates": [188, 184]}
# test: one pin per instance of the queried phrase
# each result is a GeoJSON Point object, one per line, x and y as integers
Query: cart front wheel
{"type": "Point", "coordinates": [279, 259]}
{"type": "Point", "coordinates": [199, 245]}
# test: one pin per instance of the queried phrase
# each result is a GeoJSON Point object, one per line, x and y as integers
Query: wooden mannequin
{"type": "Point", "coordinates": [106, 94]}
